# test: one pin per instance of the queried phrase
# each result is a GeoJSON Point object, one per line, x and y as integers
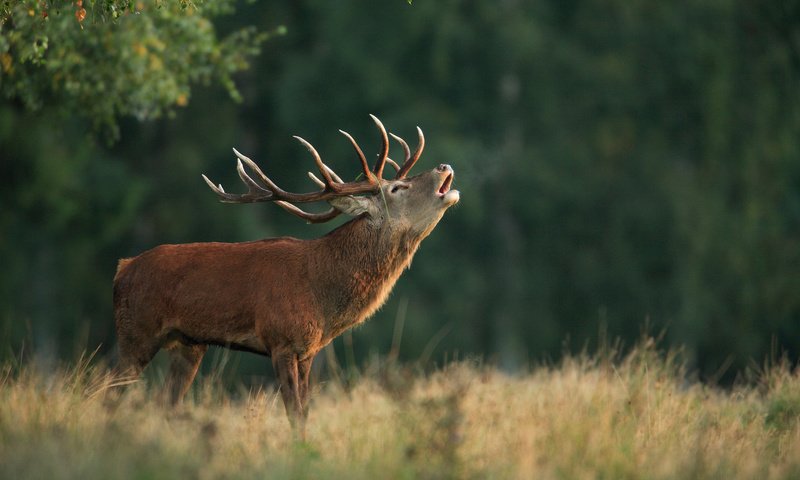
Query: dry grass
{"type": "Point", "coordinates": [636, 417]}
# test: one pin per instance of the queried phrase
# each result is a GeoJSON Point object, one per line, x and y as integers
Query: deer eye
{"type": "Point", "coordinates": [397, 187]}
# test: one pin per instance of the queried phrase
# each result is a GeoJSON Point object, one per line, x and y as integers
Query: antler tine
{"type": "Point", "coordinates": [316, 180]}
{"type": "Point", "coordinates": [413, 159]}
{"type": "Point", "coordinates": [224, 196]}
{"type": "Point", "coordinates": [319, 182]}
{"type": "Point", "coordinates": [393, 164]}
{"type": "Point", "coordinates": [255, 192]}
{"type": "Point", "coordinates": [252, 186]}
{"type": "Point", "coordinates": [270, 184]}
{"type": "Point", "coordinates": [406, 151]}
{"type": "Point", "coordinates": [336, 177]}
{"type": "Point", "coordinates": [384, 148]}
{"type": "Point", "coordinates": [364, 165]}
{"type": "Point", "coordinates": [323, 169]}
{"type": "Point", "coordinates": [403, 144]}
{"type": "Point", "coordinates": [308, 216]}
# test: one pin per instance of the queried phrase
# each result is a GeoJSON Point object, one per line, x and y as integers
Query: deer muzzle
{"type": "Point", "coordinates": [446, 173]}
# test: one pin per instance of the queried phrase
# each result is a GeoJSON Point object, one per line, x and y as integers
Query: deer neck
{"type": "Point", "coordinates": [358, 264]}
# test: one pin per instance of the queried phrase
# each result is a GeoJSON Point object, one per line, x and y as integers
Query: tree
{"type": "Point", "coordinates": [69, 204]}
{"type": "Point", "coordinates": [102, 59]}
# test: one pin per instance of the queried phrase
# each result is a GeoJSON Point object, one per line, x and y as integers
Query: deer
{"type": "Point", "coordinates": [283, 298]}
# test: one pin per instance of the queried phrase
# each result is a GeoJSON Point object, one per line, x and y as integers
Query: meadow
{"type": "Point", "coordinates": [607, 415]}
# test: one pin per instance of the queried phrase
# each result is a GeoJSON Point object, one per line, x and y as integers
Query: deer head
{"type": "Point", "coordinates": [402, 203]}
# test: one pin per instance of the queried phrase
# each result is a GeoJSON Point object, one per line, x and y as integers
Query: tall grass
{"type": "Point", "coordinates": [603, 416]}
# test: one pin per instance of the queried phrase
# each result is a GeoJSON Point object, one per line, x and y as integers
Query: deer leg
{"type": "Point", "coordinates": [287, 372]}
{"type": "Point", "coordinates": [304, 370]}
{"type": "Point", "coordinates": [183, 368]}
{"type": "Point", "coordinates": [134, 354]}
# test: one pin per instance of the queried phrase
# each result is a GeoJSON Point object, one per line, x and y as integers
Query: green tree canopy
{"type": "Point", "coordinates": [102, 59]}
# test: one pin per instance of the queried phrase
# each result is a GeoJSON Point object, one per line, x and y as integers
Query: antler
{"type": "Point", "coordinates": [331, 185]}
{"type": "Point", "coordinates": [410, 160]}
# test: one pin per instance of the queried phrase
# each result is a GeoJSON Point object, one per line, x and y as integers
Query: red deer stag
{"type": "Point", "coordinates": [280, 297]}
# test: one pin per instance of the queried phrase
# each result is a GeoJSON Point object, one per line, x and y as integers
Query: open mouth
{"type": "Point", "coordinates": [445, 187]}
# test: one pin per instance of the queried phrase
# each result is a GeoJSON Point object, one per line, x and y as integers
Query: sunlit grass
{"type": "Point", "coordinates": [605, 416]}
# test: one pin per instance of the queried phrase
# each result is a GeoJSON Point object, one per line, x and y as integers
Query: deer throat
{"type": "Point", "coordinates": [372, 262]}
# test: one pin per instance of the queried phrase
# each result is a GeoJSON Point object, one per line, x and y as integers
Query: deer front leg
{"type": "Point", "coordinates": [286, 369]}
{"type": "Point", "coordinates": [185, 362]}
{"type": "Point", "coordinates": [304, 369]}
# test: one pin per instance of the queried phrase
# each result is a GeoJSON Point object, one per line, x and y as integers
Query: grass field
{"type": "Point", "coordinates": [635, 416]}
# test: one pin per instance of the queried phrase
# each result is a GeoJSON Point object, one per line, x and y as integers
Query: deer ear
{"type": "Point", "coordinates": [352, 205]}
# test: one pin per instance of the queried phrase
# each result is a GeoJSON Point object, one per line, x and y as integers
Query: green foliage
{"type": "Point", "coordinates": [621, 163]}
{"type": "Point", "coordinates": [103, 59]}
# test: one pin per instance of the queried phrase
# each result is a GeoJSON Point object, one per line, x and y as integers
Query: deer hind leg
{"type": "Point", "coordinates": [185, 361]}
{"type": "Point", "coordinates": [286, 369]}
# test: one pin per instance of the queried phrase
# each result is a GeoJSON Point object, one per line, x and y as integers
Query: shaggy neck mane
{"type": "Point", "coordinates": [359, 264]}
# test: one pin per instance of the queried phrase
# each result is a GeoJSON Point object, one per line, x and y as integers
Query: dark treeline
{"type": "Point", "coordinates": [622, 163]}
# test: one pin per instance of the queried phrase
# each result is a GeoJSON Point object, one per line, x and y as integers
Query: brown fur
{"type": "Point", "coordinates": [282, 297]}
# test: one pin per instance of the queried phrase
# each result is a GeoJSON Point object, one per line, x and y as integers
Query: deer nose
{"type": "Point", "coordinates": [444, 167]}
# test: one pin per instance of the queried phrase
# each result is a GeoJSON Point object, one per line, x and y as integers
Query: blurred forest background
{"type": "Point", "coordinates": [623, 164]}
